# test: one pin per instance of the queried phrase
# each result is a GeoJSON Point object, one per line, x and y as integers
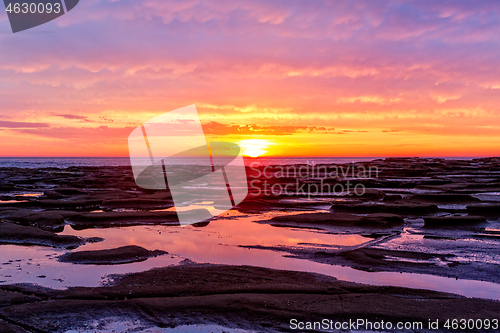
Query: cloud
{"type": "Point", "coordinates": [20, 124]}
{"type": "Point", "coordinates": [74, 117]}
{"type": "Point", "coordinates": [215, 128]}
{"type": "Point", "coordinates": [286, 67]}
{"type": "Point", "coordinates": [444, 99]}
{"type": "Point", "coordinates": [368, 99]}
{"type": "Point", "coordinates": [101, 133]}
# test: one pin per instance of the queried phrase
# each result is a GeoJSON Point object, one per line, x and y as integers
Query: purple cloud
{"type": "Point", "coordinates": [21, 124]}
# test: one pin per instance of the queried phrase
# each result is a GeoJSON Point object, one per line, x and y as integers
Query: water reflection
{"type": "Point", "coordinates": [215, 243]}
{"type": "Point", "coordinates": [122, 326]}
{"type": "Point", "coordinates": [210, 243]}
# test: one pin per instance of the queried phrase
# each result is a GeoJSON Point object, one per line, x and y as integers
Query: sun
{"type": "Point", "coordinates": [254, 147]}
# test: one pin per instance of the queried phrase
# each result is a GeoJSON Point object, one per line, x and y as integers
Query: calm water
{"type": "Point", "coordinates": [216, 243]}
{"type": "Point", "coordinates": [65, 162]}
{"type": "Point", "coordinates": [61, 162]}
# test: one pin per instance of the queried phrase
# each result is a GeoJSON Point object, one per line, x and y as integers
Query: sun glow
{"type": "Point", "coordinates": [254, 147]}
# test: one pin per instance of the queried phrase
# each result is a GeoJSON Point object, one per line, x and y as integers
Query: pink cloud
{"type": "Point", "coordinates": [275, 64]}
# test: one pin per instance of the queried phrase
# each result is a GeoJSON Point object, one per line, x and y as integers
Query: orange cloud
{"type": "Point", "coordinates": [409, 78]}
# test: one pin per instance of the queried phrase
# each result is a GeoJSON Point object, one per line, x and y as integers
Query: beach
{"type": "Point", "coordinates": [394, 239]}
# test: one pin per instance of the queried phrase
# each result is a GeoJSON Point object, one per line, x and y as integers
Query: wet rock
{"type": "Point", "coordinates": [128, 218]}
{"type": "Point", "coordinates": [47, 220]}
{"type": "Point", "coordinates": [6, 327]}
{"type": "Point", "coordinates": [444, 198]}
{"type": "Point", "coordinates": [381, 219]}
{"type": "Point", "coordinates": [256, 205]}
{"type": "Point", "coordinates": [371, 194]}
{"type": "Point", "coordinates": [124, 217]}
{"type": "Point", "coordinates": [371, 220]}
{"type": "Point", "coordinates": [393, 198]}
{"type": "Point", "coordinates": [485, 209]}
{"type": "Point", "coordinates": [7, 188]}
{"type": "Point", "coordinates": [121, 255]}
{"type": "Point", "coordinates": [370, 257]}
{"type": "Point", "coordinates": [68, 204]}
{"type": "Point", "coordinates": [69, 191]}
{"type": "Point", "coordinates": [10, 298]}
{"type": "Point", "coordinates": [17, 234]}
{"type": "Point", "coordinates": [237, 295]}
{"type": "Point", "coordinates": [402, 208]}
{"type": "Point", "coordinates": [52, 195]}
{"type": "Point", "coordinates": [261, 205]}
{"type": "Point", "coordinates": [452, 220]}
{"type": "Point", "coordinates": [201, 224]}
{"type": "Point", "coordinates": [137, 204]}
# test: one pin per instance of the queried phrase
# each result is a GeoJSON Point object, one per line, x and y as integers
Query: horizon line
{"type": "Point", "coordinates": [263, 157]}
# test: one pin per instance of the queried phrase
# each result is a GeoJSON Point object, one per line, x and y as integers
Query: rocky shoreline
{"type": "Point", "coordinates": [427, 216]}
{"type": "Point", "coordinates": [244, 297]}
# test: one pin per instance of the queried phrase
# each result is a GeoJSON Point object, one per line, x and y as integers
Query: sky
{"type": "Point", "coordinates": [294, 77]}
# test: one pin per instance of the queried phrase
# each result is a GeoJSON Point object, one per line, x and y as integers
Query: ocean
{"type": "Point", "coordinates": [66, 162]}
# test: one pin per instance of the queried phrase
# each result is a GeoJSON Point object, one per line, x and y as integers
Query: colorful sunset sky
{"type": "Point", "coordinates": [309, 77]}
